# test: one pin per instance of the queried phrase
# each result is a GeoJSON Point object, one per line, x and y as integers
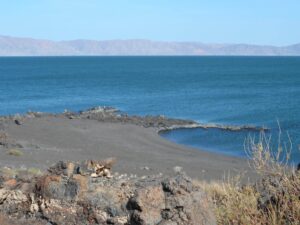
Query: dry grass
{"type": "Point", "coordinates": [15, 152]}
{"type": "Point", "coordinates": [3, 138]}
{"type": "Point", "coordinates": [273, 200]}
{"type": "Point", "coordinates": [34, 171]}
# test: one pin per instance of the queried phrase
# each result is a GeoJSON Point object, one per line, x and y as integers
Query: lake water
{"type": "Point", "coordinates": [225, 90]}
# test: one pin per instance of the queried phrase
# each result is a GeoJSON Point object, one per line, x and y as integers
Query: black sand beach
{"type": "Point", "coordinates": [45, 139]}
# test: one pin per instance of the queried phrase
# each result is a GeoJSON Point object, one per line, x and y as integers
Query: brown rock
{"type": "Point", "coordinates": [82, 182]}
{"type": "Point", "coordinates": [59, 168]}
{"type": "Point", "coordinates": [70, 169]}
{"type": "Point", "coordinates": [110, 199]}
{"type": "Point", "coordinates": [186, 204]}
{"type": "Point", "coordinates": [57, 187]}
{"type": "Point", "coordinates": [146, 205]}
{"type": "Point", "coordinates": [11, 183]}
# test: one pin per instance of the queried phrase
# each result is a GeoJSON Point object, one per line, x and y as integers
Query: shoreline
{"type": "Point", "coordinates": [214, 125]}
{"type": "Point", "coordinates": [112, 114]}
{"type": "Point", "coordinates": [102, 132]}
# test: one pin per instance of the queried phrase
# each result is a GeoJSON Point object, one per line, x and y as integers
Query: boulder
{"type": "Point", "coordinates": [173, 201]}
{"type": "Point", "coordinates": [18, 122]}
{"type": "Point", "coordinates": [57, 187]}
{"type": "Point", "coordinates": [146, 205]}
{"type": "Point", "coordinates": [110, 199]}
{"type": "Point", "coordinates": [186, 204]}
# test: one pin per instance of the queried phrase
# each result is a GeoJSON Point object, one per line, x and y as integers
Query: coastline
{"type": "Point", "coordinates": [103, 132]}
{"type": "Point", "coordinates": [213, 125]}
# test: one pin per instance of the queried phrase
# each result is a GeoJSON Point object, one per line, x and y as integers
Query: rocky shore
{"type": "Point", "coordinates": [81, 193]}
{"type": "Point", "coordinates": [110, 114]}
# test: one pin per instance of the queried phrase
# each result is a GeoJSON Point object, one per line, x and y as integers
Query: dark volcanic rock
{"type": "Point", "coordinates": [18, 122]}
{"type": "Point", "coordinates": [185, 203]}
{"type": "Point", "coordinates": [173, 201]}
{"type": "Point", "coordinates": [65, 196]}
{"type": "Point", "coordinates": [110, 114]}
{"type": "Point", "coordinates": [146, 205]}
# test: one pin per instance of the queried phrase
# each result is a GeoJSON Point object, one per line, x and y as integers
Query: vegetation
{"type": "Point", "coordinates": [273, 200]}
{"type": "Point", "coordinates": [3, 138]}
{"type": "Point", "coordinates": [15, 152]}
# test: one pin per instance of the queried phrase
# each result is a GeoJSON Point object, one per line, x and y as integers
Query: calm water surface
{"type": "Point", "coordinates": [226, 90]}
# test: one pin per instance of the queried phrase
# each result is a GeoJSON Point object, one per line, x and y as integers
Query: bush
{"type": "Point", "coordinates": [274, 199]}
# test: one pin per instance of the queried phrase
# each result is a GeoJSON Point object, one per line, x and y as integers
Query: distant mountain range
{"type": "Point", "coordinates": [12, 46]}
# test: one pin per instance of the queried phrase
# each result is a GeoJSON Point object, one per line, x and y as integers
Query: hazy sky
{"type": "Point", "coordinates": [274, 22]}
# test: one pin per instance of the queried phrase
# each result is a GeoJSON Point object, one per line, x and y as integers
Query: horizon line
{"type": "Point", "coordinates": [151, 40]}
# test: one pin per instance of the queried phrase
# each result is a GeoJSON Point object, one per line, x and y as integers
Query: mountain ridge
{"type": "Point", "coordinates": [17, 46]}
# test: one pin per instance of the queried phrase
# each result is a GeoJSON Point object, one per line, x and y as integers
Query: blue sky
{"type": "Point", "coordinates": [275, 22]}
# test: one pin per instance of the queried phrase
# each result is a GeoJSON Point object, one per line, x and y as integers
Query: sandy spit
{"type": "Point", "coordinates": [138, 150]}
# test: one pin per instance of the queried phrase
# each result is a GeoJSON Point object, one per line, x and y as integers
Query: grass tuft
{"type": "Point", "coordinates": [34, 171]}
{"type": "Point", "coordinates": [15, 152]}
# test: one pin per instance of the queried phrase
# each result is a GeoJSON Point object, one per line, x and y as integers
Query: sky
{"type": "Point", "coordinates": [264, 22]}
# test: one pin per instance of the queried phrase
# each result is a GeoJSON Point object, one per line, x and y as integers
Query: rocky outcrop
{"type": "Point", "coordinates": [146, 205]}
{"type": "Point", "coordinates": [69, 194]}
{"type": "Point", "coordinates": [110, 114]}
{"type": "Point", "coordinates": [174, 201]}
{"type": "Point", "coordinates": [185, 203]}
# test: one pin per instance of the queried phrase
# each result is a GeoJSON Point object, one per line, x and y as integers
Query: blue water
{"type": "Point", "coordinates": [226, 90]}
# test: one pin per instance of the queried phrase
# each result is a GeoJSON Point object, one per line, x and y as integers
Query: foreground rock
{"type": "Point", "coordinates": [82, 193]}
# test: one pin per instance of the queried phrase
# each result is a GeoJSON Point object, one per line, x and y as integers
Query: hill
{"type": "Point", "coordinates": [13, 46]}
